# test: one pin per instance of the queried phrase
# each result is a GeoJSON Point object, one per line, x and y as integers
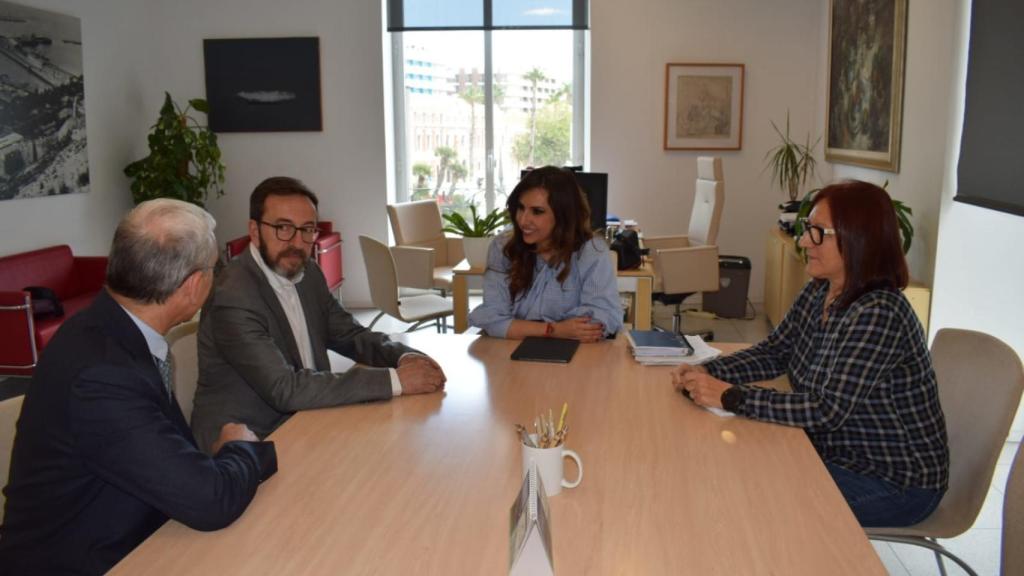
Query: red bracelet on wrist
{"type": "Point", "coordinates": [549, 330]}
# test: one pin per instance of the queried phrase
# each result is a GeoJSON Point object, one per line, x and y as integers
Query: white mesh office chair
{"type": "Point", "coordinates": [685, 265]}
{"type": "Point", "coordinates": [980, 382]}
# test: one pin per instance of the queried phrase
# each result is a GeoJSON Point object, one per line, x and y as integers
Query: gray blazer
{"type": "Point", "coordinates": [250, 370]}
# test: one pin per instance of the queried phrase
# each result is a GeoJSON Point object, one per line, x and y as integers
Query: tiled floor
{"type": "Point", "coordinates": [980, 546]}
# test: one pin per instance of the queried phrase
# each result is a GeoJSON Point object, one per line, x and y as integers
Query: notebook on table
{"type": "Point", "coordinates": [538, 349]}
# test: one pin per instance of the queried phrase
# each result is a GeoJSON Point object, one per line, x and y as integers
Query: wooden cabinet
{"type": "Point", "coordinates": [784, 278]}
{"type": "Point", "coordinates": [784, 275]}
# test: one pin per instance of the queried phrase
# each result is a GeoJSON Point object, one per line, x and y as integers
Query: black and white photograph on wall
{"type": "Point", "coordinates": [263, 84]}
{"type": "Point", "coordinates": [42, 104]}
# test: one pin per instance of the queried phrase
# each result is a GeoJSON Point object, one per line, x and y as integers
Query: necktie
{"type": "Point", "coordinates": [166, 369]}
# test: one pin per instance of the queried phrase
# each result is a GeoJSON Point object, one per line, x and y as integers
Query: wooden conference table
{"type": "Point", "coordinates": [423, 484]}
{"type": "Point", "coordinates": [640, 282]}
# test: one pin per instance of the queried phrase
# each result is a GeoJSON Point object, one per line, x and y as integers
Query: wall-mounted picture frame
{"type": "Point", "coordinates": [42, 104]}
{"type": "Point", "coordinates": [867, 53]}
{"type": "Point", "coordinates": [703, 106]}
{"type": "Point", "coordinates": [263, 84]}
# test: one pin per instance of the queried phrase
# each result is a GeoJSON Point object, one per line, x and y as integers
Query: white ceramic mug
{"type": "Point", "coordinates": [550, 466]}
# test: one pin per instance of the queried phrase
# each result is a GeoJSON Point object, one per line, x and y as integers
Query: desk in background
{"type": "Point", "coordinates": [639, 282]}
{"type": "Point", "coordinates": [423, 484]}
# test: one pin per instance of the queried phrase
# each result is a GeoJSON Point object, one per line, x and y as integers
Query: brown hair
{"type": "Point", "coordinates": [572, 225]}
{"type": "Point", "coordinates": [277, 186]}
{"type": "Point", "coordinates": [868, 238]}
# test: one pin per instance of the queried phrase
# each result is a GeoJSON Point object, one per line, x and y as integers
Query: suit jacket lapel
{"type": "Point", "coordinates": [121, 328]}
{"type": "Point", "coordinates": [315, 319]}
{"type": "Point", "coordinates": [269, 298]}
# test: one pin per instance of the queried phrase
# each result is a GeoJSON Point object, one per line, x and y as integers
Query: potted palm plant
{"type": "Point", "coordinates": [476, 232]}
{"type": "Point", "coordinates": [183, 161]}
{"type": "Point", "coordinates": [791, 163]}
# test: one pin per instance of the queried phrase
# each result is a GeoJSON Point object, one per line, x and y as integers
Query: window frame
{"type": "Point", "coordinates": [579, 147]}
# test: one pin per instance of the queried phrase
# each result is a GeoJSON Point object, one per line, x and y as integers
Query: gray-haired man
{"type": "Point", "coordinates": [103, 455]}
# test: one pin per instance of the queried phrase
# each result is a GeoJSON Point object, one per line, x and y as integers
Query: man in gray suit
{"type": "Point", "coordinates": [266, 328]}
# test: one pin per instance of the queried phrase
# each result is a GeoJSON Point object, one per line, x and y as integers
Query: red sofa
{"type": "Point", "coordinates": [327, 253]}
{"type": "Point", "coordinates": [75, 279]}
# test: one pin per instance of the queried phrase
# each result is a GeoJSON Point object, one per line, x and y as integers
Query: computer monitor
{"type": "Point", "coordinates": [595, 188]}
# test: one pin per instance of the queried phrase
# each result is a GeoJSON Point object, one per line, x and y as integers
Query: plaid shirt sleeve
{"type": "Point", "coordinates": [863, 353]}
{"type": "Point", "coordinates": [770, 358]}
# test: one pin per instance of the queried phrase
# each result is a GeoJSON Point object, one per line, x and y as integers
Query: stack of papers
{"type": "Point", "coordinates": [666, 349]}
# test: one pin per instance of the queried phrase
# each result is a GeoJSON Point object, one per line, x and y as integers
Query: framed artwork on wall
{"type": "Point", "coordinates": [263, 84]}
{"type": "Point", "coordinates": [42, 104]}
{"type": "Point", "coordinates": [867, 48]}
{"type": "Point", "coordinates": [703, 106]}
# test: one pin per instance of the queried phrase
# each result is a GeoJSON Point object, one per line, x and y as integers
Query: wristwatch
{"type": "Point", "coordinates": [732, 399]}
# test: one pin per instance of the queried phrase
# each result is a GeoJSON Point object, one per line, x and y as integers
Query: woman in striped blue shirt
{"type": "Point", "coordinates": [856, 356]}
{"type": "Point", "coordinates": [550, 276]}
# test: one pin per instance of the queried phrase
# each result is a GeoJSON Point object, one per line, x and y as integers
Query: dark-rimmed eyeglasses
{"type": "Point", "coordinates": [285, 232]}
{"type": "Point", "coordinates": [816, 233]}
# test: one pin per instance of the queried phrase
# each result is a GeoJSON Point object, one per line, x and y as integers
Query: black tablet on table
{"type": "Point", "coordinates": [538, 349]}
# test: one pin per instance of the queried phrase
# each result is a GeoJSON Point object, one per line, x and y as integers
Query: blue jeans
{"type": "Point", "coordinates": [876, 502]}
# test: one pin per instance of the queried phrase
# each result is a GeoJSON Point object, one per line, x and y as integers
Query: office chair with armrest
{"type": "Point", "coordinates": [383, 279]}
{"type": "Point", "coordinates": [980, 381]}
{"type": "Point", "coordinates": [685, 265]}
{"type": "Point", "coordinates": [419, 225]}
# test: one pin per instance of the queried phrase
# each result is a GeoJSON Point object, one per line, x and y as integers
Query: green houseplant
{"type": "Point", "coordinates": [183, 161]}
{"type": "Point", "coordinates": [791, 163]}
{"type": "Point", "coordinates": [476, 232]}
{"type": "Point", "coordinates": [903, 214]}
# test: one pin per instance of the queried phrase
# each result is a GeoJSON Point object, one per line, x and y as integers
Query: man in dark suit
{"type": "Point", "coordinates": [103, 455]}
{"type": "Point", "coordinates": [266, 329]}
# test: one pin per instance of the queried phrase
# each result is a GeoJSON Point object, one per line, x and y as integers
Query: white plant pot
{"type": "Point", "coordinates": [475, 250]}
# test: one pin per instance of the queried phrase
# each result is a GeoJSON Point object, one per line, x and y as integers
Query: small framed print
{"type": "Point", "coordinates": [703, 106]}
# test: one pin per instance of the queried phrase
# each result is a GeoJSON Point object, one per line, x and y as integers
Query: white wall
{"type": "Point", "coordinates": [135, 50]}
{"type": "Point", "coordinates": [112, 35]}
{"type": "Point", "coordinates": [978, 271]}
{"type": "Point", "coordinates": [344, 163]}
{"type": "Point", "coordinates": [777, 41]}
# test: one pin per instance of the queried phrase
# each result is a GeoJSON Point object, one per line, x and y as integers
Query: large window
{"type": "Point", "coordinates": [472, 108]}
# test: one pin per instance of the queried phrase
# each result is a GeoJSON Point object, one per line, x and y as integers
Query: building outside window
{"type": "Point", "coordinates": [475, 107]}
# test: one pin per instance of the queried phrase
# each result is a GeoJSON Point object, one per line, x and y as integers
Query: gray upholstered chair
{"type": "Point", "coordinates": [685, 265]}
{"type": "Point", "coordinates": [10, 409]}
{"type": "Point", "coordinates": [426, 256]}
{"type": "Point", "coordinates": [980, 381]}
{"type": "Point", "coordinates": [1013, 518]}
{"type": "Point", "coordinates": [383, 279]}
{"type": "Point", "coordinates": [182, 340]}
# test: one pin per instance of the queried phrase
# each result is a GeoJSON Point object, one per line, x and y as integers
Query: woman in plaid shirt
{"type": "Point", "coordinates": [856, 356]}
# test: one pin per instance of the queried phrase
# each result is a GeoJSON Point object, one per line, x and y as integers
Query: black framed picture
{"type": "Point", "coordinates": [263, 84]}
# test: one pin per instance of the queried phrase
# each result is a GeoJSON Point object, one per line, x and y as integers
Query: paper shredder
{"type": "Point", "coordinates": [733, 282]}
